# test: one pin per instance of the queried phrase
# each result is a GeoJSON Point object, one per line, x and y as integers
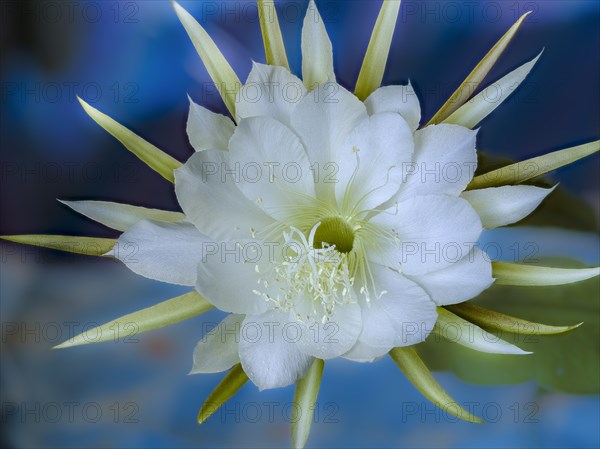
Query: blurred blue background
{"type": "Point", "coordinates": [133, 61]}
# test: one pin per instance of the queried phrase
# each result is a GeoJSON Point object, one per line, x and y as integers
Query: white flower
{"type": "Point", "coordinates": [326, 226]}
{"type": "Point", "coordinates": [333, 226]}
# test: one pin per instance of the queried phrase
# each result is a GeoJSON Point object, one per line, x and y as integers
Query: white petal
{"type": "Point", "coordinates": [317, 53]}
{"type": "Point", "coordinates": [207, 190]}
{"type": "Point", "coordinates": [208, 130]}
{"type": "Point", "coordinates": [269, 357]}
{"type": "Point", "coordinates": [460, 281]}
{"type": "Point", "coordinates": [333, 338]}
{"type": "Point", "coordinates": [269, 91]}
{"type": "Point", "coordinates": [432, 232]}
{"type": "Point", "coordinates": [501, 206]}
{"type": "Point", "coordinates": [444, 161]}
{"type": "Point", "coordinates": [121, 216]}
{"type": "Point", "coordinates": [168, 252]}
{"type": "Point", "coordinates": [218, 349]}
{"type": "Point", "coordinates": [400, 99]}
{"type": "Point", "coordinates": [371, 161]}
{"type": "Point", "coordinates": [362, 352]}
{"type": "Point", "coordinates": [228, 277]}
{"type": "Point", "coordinates": [404, 315]}
{"type": "Point", "coordinates": [274, 168]}
{"type": "Point", "coordinates": [324, 119]}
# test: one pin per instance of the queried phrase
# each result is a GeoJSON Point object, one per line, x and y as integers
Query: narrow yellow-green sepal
{"type": "Point", "coordinates": [531, 168]}
{"type": "Point", "coordinates": [160, 315]}
{"type": "Point", "coordinates": [307, 390]}
{"type": "Point", "coordinates": [485, 102]}
{"type": "Point", "coordinates": [89, 246]}
{"type": "Point", "coordinates": [496, 321]}
{"type": "Point", "coordinates": [471, 82]}
{"type": "Point", "coordinates": [317, 51]}
{"type": "Point", "coordinates": [121, 216]}
{"type": "Point", "coordinates": [271, 34]}
{"type": "Point", "coordinates": [457, 330]}
{"type": "Point", "coordinates": [373, 66]}
{"type": "Point", "coordinates": [417, 373]}
{"type": "Point", "coordinates": [531, 275]}
{"type": "Point", "coordinates": [156, 159]}
{"type": "Point", "coordinates": [231, 383]}
{"type": "Point", "coordinates": [225, 79]}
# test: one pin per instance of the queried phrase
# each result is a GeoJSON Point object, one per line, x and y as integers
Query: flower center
{"type": "Point", "coordinates": [334, 231]}
{"type": "Point", "coordinates": [312, 279]}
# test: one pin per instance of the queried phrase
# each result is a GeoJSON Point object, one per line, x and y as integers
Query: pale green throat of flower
{"type": "Point", "coordinates": [335, 231]}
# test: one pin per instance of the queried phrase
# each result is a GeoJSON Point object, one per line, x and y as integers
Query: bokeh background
{"type": "Point", "coordinates": [133, 60]}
